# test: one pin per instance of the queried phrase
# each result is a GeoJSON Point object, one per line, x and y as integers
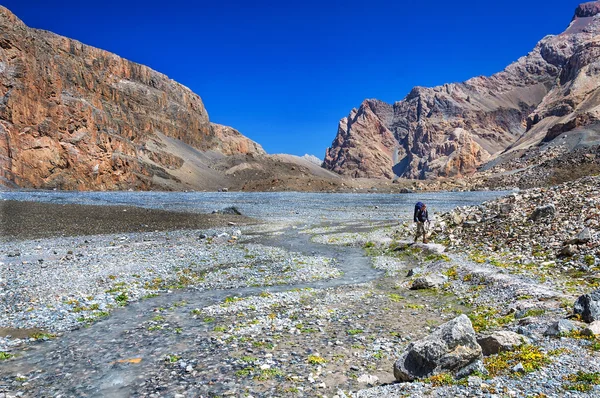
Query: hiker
{"type": "Point", "coordinates": [421, 217]}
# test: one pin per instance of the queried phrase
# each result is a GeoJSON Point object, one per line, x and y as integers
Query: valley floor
{"type": "Point", "coordinates": [289, 309]}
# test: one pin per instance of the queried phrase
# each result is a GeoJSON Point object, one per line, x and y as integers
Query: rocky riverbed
{"type": "Point", "coordinates": [301, 309]}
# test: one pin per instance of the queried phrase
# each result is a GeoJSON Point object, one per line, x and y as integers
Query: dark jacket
{"type": "Point", "coordinates": [421, 215]}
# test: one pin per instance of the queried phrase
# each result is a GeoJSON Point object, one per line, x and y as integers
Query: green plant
{"type": "Point", "coordinates": [43, 336]}
{"type": "Point", "coordinates": [5, 355]}
{"type": "Point", "coordinates": [589, 260]}
{"type": "Point", "coordinates": [315, 360]}
{"type": "Point", "coordinates": [172, 358]}
{"type": "Point", "coordinates": [121, 299]}
{"type": "Point", "coordinates": [353, 332]}
{"type": "Point", "coordinates": [451, 273]}
{"type": "Point", "coordinates": [395, 297]}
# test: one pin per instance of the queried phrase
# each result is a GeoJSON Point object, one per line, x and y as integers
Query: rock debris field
{"type": "Point", "coordinates": [501, 302]}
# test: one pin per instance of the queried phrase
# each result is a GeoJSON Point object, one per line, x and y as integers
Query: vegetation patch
{"type": "Point", "coordinates": [267, 374]}
{"type": "Point", "coordinates": [439, 380]}
{"type": "Point", "coordinates": [530, 356]}
{"type": "Point", "coordinates": [5, 355]}
{"type": "Point", "coordinates": [582, 381]}
{"type": "Point", "coordinates": [484, 318]}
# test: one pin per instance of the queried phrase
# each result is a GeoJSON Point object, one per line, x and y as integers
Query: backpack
{"type": "Point", "coordinates": [418, 206]}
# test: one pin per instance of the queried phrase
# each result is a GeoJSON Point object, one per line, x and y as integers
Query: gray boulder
{"type": "Point", "coordinates": [543, 212]}
{"type": "Point", "coordinates": [588, 306]}
{"type": "Point", "coordinates": [562, 326]}
{"type": "Point", "coordinates": [429, 282]}
{"type": "Point", "coordinates": [501, 341]}
{"type": "Point", "coordinates": [451, 348]}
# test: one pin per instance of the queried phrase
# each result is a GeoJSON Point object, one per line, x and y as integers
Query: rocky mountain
{"type": "Point", "coordinates": [77, 117]}
{"type": "Point", "coordinates": [548, 95]}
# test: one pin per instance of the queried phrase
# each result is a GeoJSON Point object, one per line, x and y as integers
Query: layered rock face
{"type": "Point", "coordinates": [453, 129]}
{"type": "Point", "coordinates": [77, 117]}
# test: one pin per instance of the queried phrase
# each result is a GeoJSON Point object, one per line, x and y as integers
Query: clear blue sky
{"type": "Point", "coordinates": [284, 72]}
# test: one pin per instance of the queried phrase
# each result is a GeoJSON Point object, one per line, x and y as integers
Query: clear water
{"type": "Point", "coordinates": [290, 206]}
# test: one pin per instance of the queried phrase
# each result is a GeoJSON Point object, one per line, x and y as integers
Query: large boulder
{"type": "Point", "coordinates": [451, 348]}
{"type": "Point", "coordinates": [501, 341]}
{"type": "Point", "coordinates": [588, 306]}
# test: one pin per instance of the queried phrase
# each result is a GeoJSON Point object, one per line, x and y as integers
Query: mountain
{"type": "Point", "coordinates": [552, 93]}
{"type": "Point", "coordinates": [77, 117]}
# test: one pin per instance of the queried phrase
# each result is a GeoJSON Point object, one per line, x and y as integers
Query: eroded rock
{"type": "Point", "coordinates": [588, 306]}
{"type": "Point", "coordinates": [501, 341]}
{"type": "Point", "coordinates": [451, 348]}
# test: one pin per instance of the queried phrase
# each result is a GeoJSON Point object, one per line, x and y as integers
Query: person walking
{"type": "Point", "coordinates": [421, 217]}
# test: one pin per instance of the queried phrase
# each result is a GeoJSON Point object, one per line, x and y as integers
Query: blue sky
{"type": "Point", "coordinates": [284, 73]}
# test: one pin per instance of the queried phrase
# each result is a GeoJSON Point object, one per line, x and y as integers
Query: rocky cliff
{"type": "Point", "coordinates": [77, 117]}
{"type": "Point", "coordinates": [453, 129]}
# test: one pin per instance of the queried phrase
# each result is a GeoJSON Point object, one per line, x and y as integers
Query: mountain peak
{"type": "Point", "coordinates": [586, 10]}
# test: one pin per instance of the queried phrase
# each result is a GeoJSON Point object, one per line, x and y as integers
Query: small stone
{"type": "Point", "coordinates": [474, 381]}
{"type": "Point", "coordinates": [518, 368]}
{"type": "Point", "coordinates": [189, 368]}
{"type": "Point", "coordinates": [368, 379]}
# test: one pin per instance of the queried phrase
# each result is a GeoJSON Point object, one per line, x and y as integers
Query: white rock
{"type": "Point", "coordinates": [368, 379]}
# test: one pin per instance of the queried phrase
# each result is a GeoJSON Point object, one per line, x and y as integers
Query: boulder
{"type": "Point", "coordinates": [542, 212]}
{"type": "Point", "coordinates": [428, 282]}
{"type": "Point", "coordinates": [501, 341]}
{"type": "Point", "coordinates": [560, 327]}
{"type": "Point", "coordinates": [451, 348]}
{"type": "Point", "coordinates": [593, 329]}
{"type": "Point", "coordinates": [588, 306]}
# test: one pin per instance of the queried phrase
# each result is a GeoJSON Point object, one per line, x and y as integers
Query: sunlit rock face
{"type": "Point", "coordinates": [453, 129]}
{"type": "Point", "coordinates": [77, 117]}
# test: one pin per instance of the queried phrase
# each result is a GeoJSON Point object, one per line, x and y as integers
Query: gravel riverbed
{"type": "Point", "coordinates": [295, 306]}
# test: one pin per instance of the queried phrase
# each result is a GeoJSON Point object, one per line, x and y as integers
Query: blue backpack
{"type": "Point", "coordinates": [418, 208]}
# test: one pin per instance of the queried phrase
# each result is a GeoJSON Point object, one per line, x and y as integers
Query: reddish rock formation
{"type": "Point", "coordinates": [77, 117]}
{"type": "Point", "coordinates": [453, 129]}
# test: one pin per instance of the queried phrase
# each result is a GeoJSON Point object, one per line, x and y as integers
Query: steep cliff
{"type": "Point", "coordinates": [453, 129]}
{"type": "Point", "coordinates": [77, 117]}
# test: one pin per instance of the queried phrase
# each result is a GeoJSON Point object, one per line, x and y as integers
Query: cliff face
{"type": "Point", "coordinates": [451, 130]}
{"type": "Point", "coordinates": [77, 117]}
